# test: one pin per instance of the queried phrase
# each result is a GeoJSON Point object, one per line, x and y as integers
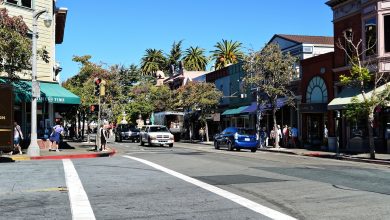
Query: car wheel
{"type": "Point", "coordinates": [253, 150]}
{"type": "Point", "coordinates": [170, 145]}
{"type": "Point", "coordinates": [230, 146]}
{"type": "Point", "coordinates": [216, 145]}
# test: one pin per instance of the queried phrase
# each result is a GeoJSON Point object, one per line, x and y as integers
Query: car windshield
{"type": "Point", "coordinates": [128, 128]}
{"type": "Point", "coordinates": [245, 131]}
{"type": "Point", "coordinates": [158, 129]}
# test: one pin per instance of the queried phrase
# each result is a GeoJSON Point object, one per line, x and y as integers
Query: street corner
{"type": "Point", "coordinates": [109, 153]}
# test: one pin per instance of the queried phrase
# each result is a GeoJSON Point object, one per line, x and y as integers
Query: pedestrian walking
{"type": "Point", "coordinates": [286, 136]}
{"type": "Point", "coordinates": [201, 133]}
{"type": "Point", "coordinates": [103, 138]}
{"type": "Point", "coordinates": [55, 136]}
{"type": "Point", "coordinates": [263, 137]}
{"type": "Point", "coordinates": [294, 136]}
{"type": "Point", "coordinates": [272, 135]}
{"type": "Point", "coordinates": [18, 137]}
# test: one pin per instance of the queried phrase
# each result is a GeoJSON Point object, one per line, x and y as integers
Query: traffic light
{"type": "Point", "coordinates": [97, 86]}
{"type": "Point", "coordinates": [103, 88]}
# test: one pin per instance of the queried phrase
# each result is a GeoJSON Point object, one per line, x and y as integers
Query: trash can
{"type": "Point", "coordinates": [332, 144]}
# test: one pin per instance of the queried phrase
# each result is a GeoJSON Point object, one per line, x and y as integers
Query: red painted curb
{"type": "Point", "coordinates": [74, 156]}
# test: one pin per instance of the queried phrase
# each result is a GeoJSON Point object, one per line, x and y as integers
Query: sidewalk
{"type": "Point", "coordinates": [383, 159]}
{"type": "Point", "coordinates": [68, 150]}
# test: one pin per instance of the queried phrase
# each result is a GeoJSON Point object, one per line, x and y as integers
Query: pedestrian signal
{"type": "Point", "coordinates": [97, 86]}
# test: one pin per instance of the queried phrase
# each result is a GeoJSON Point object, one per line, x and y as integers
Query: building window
{"type": "Point", "coordinates": [370, 36]}
{"type": "Point", "coordinates": [348, 36]}
{"type": "Point", "coordinates": [316, 91]}
{"type": "Point", "coordinates": [387, 33]}
{"type": "Point", "coordinates": [24, 3]}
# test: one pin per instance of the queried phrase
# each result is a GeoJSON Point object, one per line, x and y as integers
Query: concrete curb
{"type": "Point", "coordinates": [334, 157]}
{"type": "Point", "coordinates": [110, 153]}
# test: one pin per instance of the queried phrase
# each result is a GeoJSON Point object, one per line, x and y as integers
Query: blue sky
{"type": "Point", "coordinates": [119, 32]}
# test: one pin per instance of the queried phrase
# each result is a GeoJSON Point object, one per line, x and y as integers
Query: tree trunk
{"type": "Point", "coordinates": [207, 131]}
{"type": "Point", "coordinates": [371, 134]}
{"type": "Point", "coordinates": [275, 127]}
{"type": "Point", "coordinates": [79, 125]}
{"type": "Point", "coordinates": [83, 129]}
{"type": "Point", "coordinates": [191, 131]}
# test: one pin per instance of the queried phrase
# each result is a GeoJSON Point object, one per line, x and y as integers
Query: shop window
{"type": "Point", "coordinates": [387, 33]}
{"type": "Point", "coordinates": [370, 36]}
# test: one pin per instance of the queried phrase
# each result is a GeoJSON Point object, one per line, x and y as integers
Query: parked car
{"type": "Point", "coordinates": [126, 132]}
{"type": "Point", "coordinates": [156, 135]}
{"type": "Point", "coordinates": [236, 138]}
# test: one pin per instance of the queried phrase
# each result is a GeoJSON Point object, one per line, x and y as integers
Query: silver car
{"type": "Point", "coordinates": [156, 135]}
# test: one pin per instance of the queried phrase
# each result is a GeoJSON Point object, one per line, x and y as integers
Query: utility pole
{"type": "Point", "coordinates": [33, 148]}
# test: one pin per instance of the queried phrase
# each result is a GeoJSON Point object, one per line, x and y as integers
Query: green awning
{"type": "Point", "coordinates": [54, 93]}
{"type": "Point", "coordinates": [50, 92]}
{"type": "Point", "coordinates": [344, 98]}
{"type": "Point", "coordinates": [235, 111]}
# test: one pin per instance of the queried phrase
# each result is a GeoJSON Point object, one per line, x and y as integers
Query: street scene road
{"type": "Point", "coordinates": [194, 181]}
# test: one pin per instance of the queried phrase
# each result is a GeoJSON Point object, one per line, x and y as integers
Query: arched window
{"type": "Point", "coordinates": [316, 91]}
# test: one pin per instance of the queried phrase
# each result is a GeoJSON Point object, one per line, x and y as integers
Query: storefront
{"type": "Point", "coordinates": [354, 132]}
{"type": "Point", "coordinates": [54, 101]}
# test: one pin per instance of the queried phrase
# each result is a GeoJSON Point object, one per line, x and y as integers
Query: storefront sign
{"type": "Point", "coordinates": [313, 107]}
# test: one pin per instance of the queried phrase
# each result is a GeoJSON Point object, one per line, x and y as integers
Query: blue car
{"type": "Point", "coordinates": [236, 138]}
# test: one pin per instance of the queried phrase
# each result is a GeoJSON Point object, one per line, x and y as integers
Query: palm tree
{"type": "Point", "coordinates": [152, 61]}
{"type": "Point", "coordinates": [194, 59]}
{"type": "Point", "coordinates": [227, 52]}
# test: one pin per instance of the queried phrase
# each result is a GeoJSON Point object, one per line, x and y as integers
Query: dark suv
{"type": "Point", "coordinates": [126, 132]}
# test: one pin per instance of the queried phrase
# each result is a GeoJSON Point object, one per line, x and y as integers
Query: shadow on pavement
{"type": "Point", "coordinates": [6, 160]}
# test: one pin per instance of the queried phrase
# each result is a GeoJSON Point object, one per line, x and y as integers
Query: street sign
{"type": "Point", "coordinates": [35, 89]}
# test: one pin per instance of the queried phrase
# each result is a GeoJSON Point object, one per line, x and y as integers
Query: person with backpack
{"type": "Point", "coordinates": [55, 137]}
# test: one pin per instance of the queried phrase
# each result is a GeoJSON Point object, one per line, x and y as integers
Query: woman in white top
{"type": "Point", "coordinates": [18, 136]}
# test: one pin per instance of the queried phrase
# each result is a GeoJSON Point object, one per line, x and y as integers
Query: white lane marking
{"type": "Point", "coordinates": [273, 214]}
{"type": "Point", "coordinates": [79, 203]}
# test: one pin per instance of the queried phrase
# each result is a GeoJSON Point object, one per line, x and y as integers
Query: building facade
{"type": "Point", "coordinates": [368, 21]}
{"type": "Point", "coordinates": [54, 99]}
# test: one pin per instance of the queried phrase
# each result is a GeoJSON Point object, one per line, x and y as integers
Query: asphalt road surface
{"type": "Point", "coordinates": [191, 181]}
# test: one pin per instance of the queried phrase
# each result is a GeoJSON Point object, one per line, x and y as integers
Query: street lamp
{"type": "Point", "coordinates": [33, 148]}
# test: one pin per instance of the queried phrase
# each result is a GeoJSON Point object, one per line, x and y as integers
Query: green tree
{"type": "Point", "coordinates": [82, 84]}
{"type": "Point", "coordinates": [195, 59]}
{"type": "Point", "coordinates": [227, 52]}
{"type": "Point", "coordinates": [203, 97]}
{"type": "Point", "coordinates": [174, 57]}
{"type": "Point", "coordinates": [152, 62]}
{"type": "Point", "coordinates": [15, 46]}
{"type": "Point", "coordinates": [364, 78]}
{"type": "Point", "coordinates": [270, 70]}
